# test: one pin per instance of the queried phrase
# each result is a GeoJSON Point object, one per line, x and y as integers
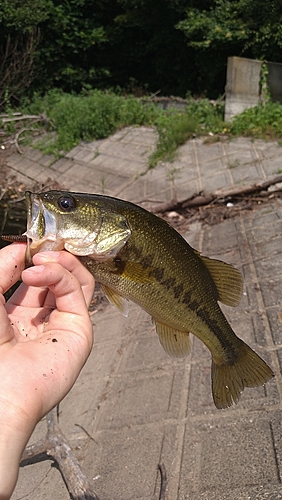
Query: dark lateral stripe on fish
{"type": "Point", "coordinates": [178, 291]}
{"type": "Point", "coordinates": [158, 274]}
{"type": "Point", "coordinates": [170, 284]}
{"type": "Point", "coordinates": [146, 262]}
{"type": "Point", "coordinates": [227, 346]}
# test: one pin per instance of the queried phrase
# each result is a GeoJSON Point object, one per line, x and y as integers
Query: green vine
{"type": "Point", "coordinates": [264, 87]}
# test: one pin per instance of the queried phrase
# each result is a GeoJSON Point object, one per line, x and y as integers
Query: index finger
{"type": "Point", "coordinates": [73, 265]}
{"type": "Point", "coordinates": [12, 263]}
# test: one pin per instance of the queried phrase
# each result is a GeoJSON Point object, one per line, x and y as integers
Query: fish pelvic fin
{"type": "Point", "coordinates": [229, 380]}
{"type": "Point", "coordinates": [176, 343]}
{"type": "Point", "coordinates": [227, 279]}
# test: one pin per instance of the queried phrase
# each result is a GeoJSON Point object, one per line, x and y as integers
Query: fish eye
{"type": "Point", "coordinates": [66, 203]}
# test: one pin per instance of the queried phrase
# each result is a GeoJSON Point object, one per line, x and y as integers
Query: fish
{"type": "Point", "coordinates": [137, 256]}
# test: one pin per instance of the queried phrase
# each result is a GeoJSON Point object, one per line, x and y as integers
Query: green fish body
{"type": "Point", "coordinates": [139, 257]}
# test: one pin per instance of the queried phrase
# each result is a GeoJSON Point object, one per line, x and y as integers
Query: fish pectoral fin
{"type": "Point", "coordinates": [116, 299]}
{"type": "Point", "coordinates": [228, 281]}
{"type": "Point", "coordinates": [176, 343]}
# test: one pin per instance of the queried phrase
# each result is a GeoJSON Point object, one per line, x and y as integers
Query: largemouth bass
{"type": "Point", "coordinates": [139, 257]}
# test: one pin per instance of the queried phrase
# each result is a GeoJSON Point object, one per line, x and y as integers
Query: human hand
{"type": "Point", "coordinates": [45, 339]}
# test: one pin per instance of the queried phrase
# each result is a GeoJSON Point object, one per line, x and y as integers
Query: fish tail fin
{"type": "Point", "coordinates": [229, 380]}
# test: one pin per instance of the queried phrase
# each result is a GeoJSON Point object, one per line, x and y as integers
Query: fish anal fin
{"type": "Point", "coordinates": [228, 381]}
{"type": "Point", "coordinates": [116, 299]}
{"type": "Point", "coordinates": [227, 279]}
{"type": "Point", "coordinates": [176, 343]}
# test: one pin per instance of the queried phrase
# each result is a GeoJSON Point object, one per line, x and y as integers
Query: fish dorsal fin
{"type": "Point", "coordinates": [228, 280]}
{"type": "Point", "coordinates": [175, 342]}
{"type": "Point", "coordinates": [116, 299]}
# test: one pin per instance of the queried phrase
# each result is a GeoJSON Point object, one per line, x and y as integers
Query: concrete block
{"type": "Point", "coordinates": [124, 464]}
{"type": "Point", "coordinates": [274, 81]}
{"type": "Point", "coordinates": [224, 460]}
{"type": "Point", "coordinates": [242, 85]}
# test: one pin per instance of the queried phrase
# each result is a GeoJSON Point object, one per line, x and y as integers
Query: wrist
{"type": "Point", "coordinates": [15, 431]}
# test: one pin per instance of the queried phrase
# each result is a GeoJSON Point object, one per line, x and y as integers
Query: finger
{"type": "Point", "coordinates": [29, 296]}
{"type": "Point", "coordinates": [6, 328]}
{"type": "Point", "coordinates": [72, 264]}
{"type": "Point", "coordinates": [62, 283]}
{"type": "Point", "coordinates": [12, 263]}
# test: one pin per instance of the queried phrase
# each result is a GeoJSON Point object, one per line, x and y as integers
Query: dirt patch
{"type": "Point", "coordinates": [217, 212]}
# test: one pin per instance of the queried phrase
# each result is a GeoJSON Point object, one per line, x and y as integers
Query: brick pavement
{"type": "Point", "coordinates": [140, 406]}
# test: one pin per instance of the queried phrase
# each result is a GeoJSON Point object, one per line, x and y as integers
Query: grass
{"type": "Point", "coordinates": [95, 114]}
{"type": "Point", "coordinates": [176, 127]}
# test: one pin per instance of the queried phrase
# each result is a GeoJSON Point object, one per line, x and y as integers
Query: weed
{"type": "Point", "coordinates": [234, 164]}
{"type": "Point", "coordinates": [172, 174]}
{"type": "Point", "coordinates": [96, 114]}
{"type": "Point", "coordinates": [263, 121]}
{"type": "Point", "coordinates": [96, 153]}
{"type": "Point", "coordinates": [88, 117]}
{"type": "Point", "coordinates": [176, 127]}
{"type": "Point", "coordinates": [103, 185]}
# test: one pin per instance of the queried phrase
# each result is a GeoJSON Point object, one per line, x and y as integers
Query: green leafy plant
{"type": "Point", "coordinates": [87, 117]}
{"type": "Point", "coordinates": [262, 121]}
{"type": "Point", "coordinates": [176, 127]}
{"type": "Point", "coordinates": [95, 114]}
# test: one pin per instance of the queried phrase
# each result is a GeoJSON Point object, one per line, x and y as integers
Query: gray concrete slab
{"type": "Point", "coordinates": [139, 406]}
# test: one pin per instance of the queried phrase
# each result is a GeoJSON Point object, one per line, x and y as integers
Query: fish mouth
{"type": "Point", "coordinates": [41, 230]}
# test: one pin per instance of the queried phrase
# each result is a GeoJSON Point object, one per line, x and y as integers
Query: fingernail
{"type": "Point", "coordinates": [35, 270]}
{"type": "Point", "coordinates": [47, 256]}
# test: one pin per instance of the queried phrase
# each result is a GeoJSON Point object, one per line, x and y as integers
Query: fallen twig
{"type": "Point", "coordinates": [202, 198]}
{"type": "Point", "coordinates": [6, 115]}
{"type": "Point", "coordinates": [162, 470]}
{"type": "Point", "coordinates": [21, 117]}
{"type": "Point", "coordinates": [56, 446]}
{"type": "Point", "coordinates": [17, 135]}
{"type": "Point", "coordinates": [252, 188]}
{"type": "Point", "coordinates": [14, 138]}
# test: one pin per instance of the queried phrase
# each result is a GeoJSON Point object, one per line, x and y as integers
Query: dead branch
{"type": "Point", "coordinates": [21, 117]}
{"type": "Point", "coordinates": [55, 445]}
{"type": "Point", "coordinates": [202, 199]}
{"type": "Point", "coordinates": [6, 115]}
{"type": "Point", "coordinates": [162, 470]}
{"type": "Point", "coordinates": [249, 189]}
{"type": "Point", "coordinates": [14, 138]}
{"type": "Point", "coordinates": [17, 64]}
{"type": "Point", "coordinates": [17, 135]}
